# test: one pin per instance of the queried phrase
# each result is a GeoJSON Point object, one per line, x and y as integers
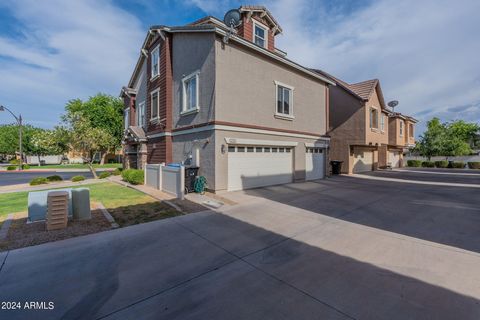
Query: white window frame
{"type": "Point", "coordinates": [261, 26]}
{"type": "Point", "coordinates": [402, 125]}
{"type": "Point", "coordinates": [126, 117]}
{"type": "Point", "coordinates": [155, 73]}
{"type": "Point", "coordinates": [139, 107]}
{"type": "Point", "coordinates": [185, 79]}
{"type": "Point", "coordinates": [279, 115]}
{"type": "Point", "coordinates": [382, 122]}
{"type": "Point", "coordinates": [157, 91]}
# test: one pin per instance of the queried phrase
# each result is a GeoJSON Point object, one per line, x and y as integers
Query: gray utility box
{"type": "Point", "coordinates": [81, 204]}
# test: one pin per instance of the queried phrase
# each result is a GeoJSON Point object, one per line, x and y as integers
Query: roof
{"type": "Point", "coordinates": [137, 133]}
{"type": "Point", "coordinates": [264, 13]}
{"type": "Point", "coordinates": [364, 89]}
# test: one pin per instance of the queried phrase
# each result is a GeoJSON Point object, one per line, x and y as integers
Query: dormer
{"type": "Point", "coordinates": [259, 26]}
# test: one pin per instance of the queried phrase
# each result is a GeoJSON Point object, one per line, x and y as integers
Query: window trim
{"type": "Point", "coordinates": [183, 110]}
{"type": "Point", "coordinates": [126, 118]}
{"type": "Point", "coordinates": [382, 122]}
{"type": "Point", "coordinates": [157, 91]}
{"type": "Point", "coordinates": [152, 76]}
{"type": "Point", "coordinates": [401, 128]}
{"type": "Point", "coordinates": [138, 114]}
{"type": "Point", "coordinates": [261, 26]}
{"type": "Point", "coordinates": [371, 118]}
{"type": "Point", "coordinates": [277, 114]}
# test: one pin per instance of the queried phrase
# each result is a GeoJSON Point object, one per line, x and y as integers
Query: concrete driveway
{"type": "Point", "coordinates": [343, 248]}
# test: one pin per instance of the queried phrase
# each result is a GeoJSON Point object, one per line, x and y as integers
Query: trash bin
{"type": "Point", "coordinates": [336, 166]}
{"type": "Point", "coordinates": [190, 174]}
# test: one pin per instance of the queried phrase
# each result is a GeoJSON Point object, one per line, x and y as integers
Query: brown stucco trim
{"type": "Point", "coordinates": [247, 126]}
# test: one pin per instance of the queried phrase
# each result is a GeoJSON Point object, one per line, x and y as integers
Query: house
{"type": "Point", "coordinates": [232, 104]}
{"type": "Point", "coordinates": [365, 133]}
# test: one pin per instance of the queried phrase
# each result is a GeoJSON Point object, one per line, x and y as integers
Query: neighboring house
{"type": "Point", "coordinates": [239, 109]}
{"type": "Point", "coordinates": [365, 134]}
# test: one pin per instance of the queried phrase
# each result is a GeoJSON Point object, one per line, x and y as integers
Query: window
{"type": "Point", "coordinates": [401, 127]}
{"type": "Point", "coordinates": [259, 35]}
{"type": "Point", "coordinates": [154, 105]}
{"type": "Point", "coordinates": [266, 149]}
{"type": "Point", "coordinates": [250, 149]}
{"type": "Point", "coordinates": [240, 149]}
{"type": "Point", "coordinates": [410, 130]}
{"type": "Point", "coordinates": [126, 119]}
{"type": "Point", "coordinates": [155, 62]}
{"type": "Point", "coordinates": [274, 149]}
{"type": "Point", "coordinates": [141, 114]}
{"type": "Point", "coordinates": [259, 149]}
{"type": "Point", "coordinates": [190, 93]}
{"type": "Point", "coordinates": [231, 149]}
{"type": "Point", "coordinates": [373, 118]}
{"type": "Point", "coordinates": [382, 122]}
{"type": "Point", "coordinates": [284, 101]}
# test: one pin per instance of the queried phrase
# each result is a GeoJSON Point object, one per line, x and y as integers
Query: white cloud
{"type": "Point", "coordinates": [69, 49]}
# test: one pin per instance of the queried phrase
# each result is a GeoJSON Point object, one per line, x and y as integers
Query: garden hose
{"type": "Point", "coordinates": [200, 184]}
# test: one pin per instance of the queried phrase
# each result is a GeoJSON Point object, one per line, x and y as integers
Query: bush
{"type": "Point", "coordinates": [26, 166]}
{"type": "Point", "coordinates": [414, 163]}
{"type": "Point", "coordinates": [38, 181]}
{"type": "Point", "coordinates": [10, 168]}
{"type": "Point", "coordinates": [117, 172]}
{"type": "Point", "coordinates": [54, 178]}
{"type": "Point", "coordinates": [441, 164]}
{"type": "Point", "coordinates": [14, 161]}
{"type": "Point", "coordinates": [428, 164]}
{"type": "Point", "coordinates": [474, 165]}
{"type": "Point", "coordinates": [133, 176]}
{"type": "Point", "coordinates": [458, 165]}
{"type": "Point", "coordinates": [78, 178]}
{"type": "Point", "coordinates": [104, 174]}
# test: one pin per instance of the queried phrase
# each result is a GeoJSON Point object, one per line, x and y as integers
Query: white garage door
{"type": "Point", "coordinates": [363, 161]}
{"type": "Point", "coordinates": [255, 166]}
{"type": "Point", "coordinates": [394, 158]}
{"type": "Point", "coordinates": [315, 163]}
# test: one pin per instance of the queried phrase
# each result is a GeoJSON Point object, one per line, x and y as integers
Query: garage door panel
{"type": "Point", "coordinates": [363, 161]}
{"type": "Point", "coordinates": [256, 169]}
{"type": "Point", "coordinates": [394, 158]}
{"type": "Point", "coordinates": [314, 164]}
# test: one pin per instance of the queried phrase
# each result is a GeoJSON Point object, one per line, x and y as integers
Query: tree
{"type": "Point", "coordinates": [100, 112]}
{"type": "Point", "coordinates": [49, 142]}
{"type": "Point", "coordinates": [431, 142]}
{"type": "Point", "coordinates": [9, 138]}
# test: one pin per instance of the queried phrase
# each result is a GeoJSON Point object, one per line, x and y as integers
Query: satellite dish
{"type": "Point", "coordinates": [392, 104]}
{"type": "Point", "coordinates": [232, 18]}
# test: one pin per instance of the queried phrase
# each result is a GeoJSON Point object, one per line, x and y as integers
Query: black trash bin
{"type": "Point", "coordinates": [190, 174]}
{"type": "Point", "coordinates": [336, 166]}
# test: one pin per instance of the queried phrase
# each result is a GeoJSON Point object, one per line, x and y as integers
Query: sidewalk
{"type": "Point", "coordinates": [25, 187]}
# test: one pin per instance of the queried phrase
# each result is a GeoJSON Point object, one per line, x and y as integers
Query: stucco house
{"type": "Point", "coordinates": [365, 133]}
{"type": "Point", "coordinates": [237, 107]}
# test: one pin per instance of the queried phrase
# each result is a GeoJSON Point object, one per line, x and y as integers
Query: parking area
{"type": "Point", "coordinates": [340, 248]}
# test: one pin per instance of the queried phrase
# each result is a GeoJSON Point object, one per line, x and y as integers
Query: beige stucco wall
{"type": "Point", "coordinates": [246, 93]}
{"type": "Point", "coordinates": [375, 136]}
{"type": "Point", "coordinates": [395, 138]}
{"type": "Point", "coordinates": [221, 159]}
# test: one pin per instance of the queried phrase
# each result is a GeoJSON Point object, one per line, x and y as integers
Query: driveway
{"type": "Point", "coordinates": [342, 248]}
{"type": "Point", "coordinates": [12, 178]}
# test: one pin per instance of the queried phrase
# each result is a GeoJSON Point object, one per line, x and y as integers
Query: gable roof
{"type": "Point", "coordinates": [364, 89]}
{"type": "Point", "coordinates": [264, 13]}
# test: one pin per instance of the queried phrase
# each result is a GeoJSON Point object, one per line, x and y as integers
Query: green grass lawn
{"type": "Point", "coordinates": [77, 166]}
{"type": "Point", "coordinates": [111, 195]}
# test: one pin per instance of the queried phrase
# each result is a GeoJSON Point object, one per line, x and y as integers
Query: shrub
{"type": "Point", "coordinates": [10, 168]}
{"type": "Point", "coordinates": [38, 181]}
{"type": "Point", "coordinates": [14, 161]}
{"type": "Point", "coordinates": [26, 166]}
{"type": "Point", "coordinates": [78, 178]}
{"type": "Point", "coordinates": [104, 174]}
{"type": "Point", "coordinates": [428, 164]}
{"type": "Point", "coordinates": [458, 165]}
{"type": "Point", "coordinates": [117, 172]}
{"type": "Point", "coordinates": [441, 164]}
{"type": "Point", "coordinates": [474, 165]}
{"type": "Point", "coordinates": [133, 176]}
{"type": "Point", "coordinates": [54, 178]}
{"type": "Point", "coordinates": [414, 163]}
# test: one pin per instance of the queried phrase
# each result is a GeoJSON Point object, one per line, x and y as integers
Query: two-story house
{"type": "Point", "coordinates": [233, 105]}
{"type": "Point", "coordinates": [365, 133]}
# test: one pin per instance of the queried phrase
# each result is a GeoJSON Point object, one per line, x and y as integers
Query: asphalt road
{"type": "Point", "coordinates": [340, 248]}
{"type": "Point", "coordinates": [12, 178]}
{"type": "Point", "coordinates": [438, 175]}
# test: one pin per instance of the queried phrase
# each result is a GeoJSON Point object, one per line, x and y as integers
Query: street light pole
{"type": "Point", "coordinates": [20, 142]}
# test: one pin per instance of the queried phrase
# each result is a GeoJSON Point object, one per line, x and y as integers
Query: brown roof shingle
{"type": "Point", "coordinates": [364, 89]}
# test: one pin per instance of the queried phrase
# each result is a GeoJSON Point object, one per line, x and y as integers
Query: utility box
{"type": "Point", "coordinates": [81, 204]}
{"type": "Point", "coordinates": [57, 210]}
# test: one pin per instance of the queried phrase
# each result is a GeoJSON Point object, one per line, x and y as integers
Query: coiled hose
{"type": "Point", "coordinates": [200, 184]}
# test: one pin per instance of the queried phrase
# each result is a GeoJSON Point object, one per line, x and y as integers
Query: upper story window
{"type": "Point", "coordinates": [141, 114]}
{"type": "Point", "coordinates": [284, 100]}
{"type": "Point", "coordinates": [190, 86]}
{"type": "Point", "coordinates": [126, 118]}
{"type": "Point", "coordinates": [382, 122]}
{"type": "Point", "coordinates": [154, 104]}
{"type": "Point", "coordinates": [155, 62]}
{"type": "Point", "coordinates": [401, 127]}
{"type": "Point", "coordinates": [260, 34]}
{"type": "Point", "coordinates": [410, 130]}
{"type": "Point", "coordinates": [373, 118]}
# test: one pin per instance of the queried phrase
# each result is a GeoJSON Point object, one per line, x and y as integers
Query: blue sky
{"type": "Point", "coordinates": [425, 53]}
